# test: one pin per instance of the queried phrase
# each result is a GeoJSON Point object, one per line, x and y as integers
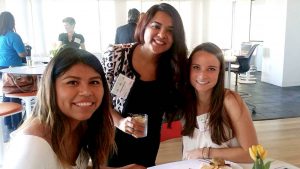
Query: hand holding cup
{"type": "Point", "coordinates": [139, 125]}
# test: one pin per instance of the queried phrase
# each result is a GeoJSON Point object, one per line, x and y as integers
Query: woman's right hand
{"type": "Point", "coordinates": [125, 125]}
{"type": "Point", "coordinates": [131, 126]}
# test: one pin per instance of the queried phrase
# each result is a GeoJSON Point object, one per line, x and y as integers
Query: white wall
{"type": "Point", "coordinates": [2, 6]}
{"type": "Point", "coordinates": [280, 58]}
{"type": "Point", "coordinates": [291, 75]}
{"type": "Point", "coordinates": [274, 42]}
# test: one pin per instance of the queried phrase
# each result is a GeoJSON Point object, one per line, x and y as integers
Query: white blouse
{"type": "Point", "coordinates": [32, 152]}
{"type": "Point", "coordinates": [201, 137]}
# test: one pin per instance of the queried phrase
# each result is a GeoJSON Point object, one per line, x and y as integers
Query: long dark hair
{"type": "Point", "coordinates": [172, 63]}
{"type": "Point", "coordinates": [98, 138]}
{"type": "Point", "coordinates": [7, 23]}
{"type": "Point", "coordinates": [217, 113]}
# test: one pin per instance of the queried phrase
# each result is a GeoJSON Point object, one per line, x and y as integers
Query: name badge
{"type": "Point", "coordinates": [77, 40]}
{"type": "Point", "coordinates": [122, 86]}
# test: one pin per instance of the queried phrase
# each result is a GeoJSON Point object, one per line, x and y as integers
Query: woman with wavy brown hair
{"type": "Point", "coordinates": [71, 121]}
{"type": "Point", "coordinates": [217, 122]}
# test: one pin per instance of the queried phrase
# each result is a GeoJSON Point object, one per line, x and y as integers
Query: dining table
{"type": "Point", "coordinates": [229, 58]}
{"type": "Point", "coordinates": [26, 70]}
{"type": "Point", "coordinates": [198, 163]}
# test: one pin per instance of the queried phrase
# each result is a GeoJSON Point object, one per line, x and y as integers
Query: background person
{"type": "Point", "coordinates": [217, 122]}
{"type": "Point", "coordinates": [155, 66]}
{"type": "Point", "coordinates": [12, 51]}
{"type": "Point", "coordinates": [125, 33]}
{"type": "Point", "coordinates": [71, 121]}
{"type": "Point", "coordinates": [71, 38]}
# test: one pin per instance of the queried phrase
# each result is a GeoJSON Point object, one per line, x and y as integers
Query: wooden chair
{"type": "Point", "coordinates": [6, 109]}
{"type": "Point", "coordinates": [27, 97]}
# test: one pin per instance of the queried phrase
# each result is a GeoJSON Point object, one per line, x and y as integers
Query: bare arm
{"type": "Point", "coordinates": [23, 54]}
{"type": "Point", "coordinates": [243, 129]}
{"type": "Point", "coordinates": [117, 118]}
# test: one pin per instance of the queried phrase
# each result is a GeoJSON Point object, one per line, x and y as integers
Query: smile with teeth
{"type": "Point", "coordinates": [159, 42]}
{"type": "Point", "coordinates": [83, 104]}
{"type": "Point", "coordinates": [201, 82]}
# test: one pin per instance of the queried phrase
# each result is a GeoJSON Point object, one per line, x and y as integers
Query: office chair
{"type": "Point", "coordinates": [243, 62]}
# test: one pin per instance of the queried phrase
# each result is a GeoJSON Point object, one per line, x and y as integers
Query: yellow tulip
{"type": "Point", "coordinates": [261, 152]}
{"type": "Point", "coordinates": [258, 153]}
{"type": "Point", "coordinates": [263, 155]}
{"type": "Point", "coordinates": [252, 154]}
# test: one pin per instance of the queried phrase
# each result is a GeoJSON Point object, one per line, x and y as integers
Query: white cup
{"type": "Point", "coordinates": [142, 118]}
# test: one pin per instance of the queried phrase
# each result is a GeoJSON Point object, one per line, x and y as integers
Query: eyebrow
{"type": "Point", "coordinates": [170, 27]}
{"type": "Point", "coordinates": [195, 64]}
{"type": "Point", "coordinates": [76, 77]}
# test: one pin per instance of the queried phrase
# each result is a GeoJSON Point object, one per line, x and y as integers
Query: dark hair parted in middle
{"type": "Point", "coordinates": [98, 139]}
{"type": "Point", "coordinates": [172, 63]}
{"type": "Point", "coordinates": [218, 116]}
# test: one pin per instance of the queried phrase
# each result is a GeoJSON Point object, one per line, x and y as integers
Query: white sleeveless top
{"type": "Point", "coordinates": [201, 137]}
{"type": "Point", "coordinates": [32, 152]}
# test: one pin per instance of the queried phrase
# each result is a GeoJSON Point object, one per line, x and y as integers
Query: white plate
{"type": "Point", "coordinates": [190, 164]}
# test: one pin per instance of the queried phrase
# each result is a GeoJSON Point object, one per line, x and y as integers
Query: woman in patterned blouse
{"type": "Point", "coordinates": [146, 78]}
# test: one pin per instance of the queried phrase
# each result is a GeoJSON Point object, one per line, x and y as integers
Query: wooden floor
{"type": "Point", "coordinates": [280, 137]}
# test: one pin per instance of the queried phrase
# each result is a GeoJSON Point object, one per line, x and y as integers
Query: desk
{"type": "Point", "coordinates": [196, 164]}
{"type": "Point", "coordinates": [26, 70]}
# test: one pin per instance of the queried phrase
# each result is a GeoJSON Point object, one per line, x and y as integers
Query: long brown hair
{"type": "Point", "coordinates": [172, 63]}
{"type": "Point", "coordinates": [98, 139]}
{"type": "Point", "coordinates": [219, 122]}
{"type": "Point", "coordinates": [7, 23]}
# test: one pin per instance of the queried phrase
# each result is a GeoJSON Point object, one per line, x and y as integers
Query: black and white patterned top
{"type": "Point", "coordinates": [116, 60]}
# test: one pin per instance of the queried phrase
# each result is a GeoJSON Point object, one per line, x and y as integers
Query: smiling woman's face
{"type": "Point", "coordinates": [204, 71]}
{"type": "Point", "coordinates": [79, 92]}
{"type": "Point", "coordinates": [159, 33]}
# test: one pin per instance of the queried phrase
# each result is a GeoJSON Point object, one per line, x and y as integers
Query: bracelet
{"type": "Point", "coordinates": [206, 153]}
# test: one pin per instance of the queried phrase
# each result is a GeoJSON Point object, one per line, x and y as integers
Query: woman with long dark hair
{"type": "Point", "coordinates": [217, 122]}
{"type": "Point", "coordinates": [71, 121]}
{"type": "Point", "coordinates": [152, 73]}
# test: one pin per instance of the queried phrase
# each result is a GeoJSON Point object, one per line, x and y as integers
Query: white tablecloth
{"type": "Point", "coordinates": [28, 70]}
{"type": "Point", "coordinates": [196, 164]}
